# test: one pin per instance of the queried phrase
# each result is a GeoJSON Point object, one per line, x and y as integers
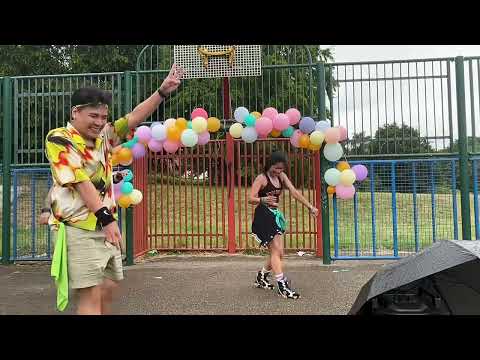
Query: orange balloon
{"type": "Point", "coordinates": [343, 165]}
{"type": "Point", "coordinates": [124, 155]}
{"type": "Point", "coordinates": [304, 141]}
{"type": "Point", "coordinates": [115, 161]}
{"type": "Point", "coordinates": [124, 201]}
{"type": "Point", "coordinates": [181, 123]}
{"type": "Point", "coordinates": [173, 133]}
{"type": "Point", "coordinates": [331, 190]}
{"type": "Point", "coordinates": [275, 133]}
{"type": "Point", "coordinates": [256, 114]}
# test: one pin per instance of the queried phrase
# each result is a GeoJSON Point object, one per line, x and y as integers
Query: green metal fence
{"type": "Point", "coordinates": [393, 110]}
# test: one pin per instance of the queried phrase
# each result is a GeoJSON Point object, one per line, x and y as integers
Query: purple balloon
{"type": "Point", "coordinates": [138, 151]}
{"type": "Point", "coordinates": [203, 138]}
{"type": "Point", "coordinates": [307, 125]}
{"type": "Point", "coordinates": [155, 145]}
{"type": "Point", "coordinates": [144, 134]}
{"type": "Point", "coordinates": [360, 171]}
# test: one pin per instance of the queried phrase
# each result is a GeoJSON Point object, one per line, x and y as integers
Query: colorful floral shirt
{"type": "Point", "coordinates": [72, 162]}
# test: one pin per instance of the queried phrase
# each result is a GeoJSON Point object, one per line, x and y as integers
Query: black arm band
{"type": "Point", "coordinates": [45, 210]}
{"type": "Point", "coordinates": [104, 216]}
{"type": "Point", "coordinates": [162, 94]}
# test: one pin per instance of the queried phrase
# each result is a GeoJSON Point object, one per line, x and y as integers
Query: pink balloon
{"type": "Point", "coordinates": [332, 135]}
{"type": "Point", "coordinates": [170, 146]}
{"type": "Point", "coordinates": [144, 134]}
{"type": "Point", "coordinates": [117, 192]}
{"type": "Point", "coordinates": [199, 112]}
{"type": "Point", "coordinates": [264, 126]}
{"type": "Point", "coordinates": [293, 115]}
{"type": "Point", "coordinates": [295, 138]}
{"type": "Point", "coordinates": [203, 138]}
{"type": "Point", "coordinates": [138, 151]}
{"type": "Point", "coordinates": [155, 145]}
{"type": "Point", "coordinates": [281, 122]}
{"type": "Point", "coordinates": [345, 192]}
{"type": "Point", "coordinates": [270, 113]}
{"type": "Point", "coordinates": [343, 133]}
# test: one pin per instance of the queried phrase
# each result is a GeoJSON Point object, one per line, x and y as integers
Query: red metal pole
{"type": "Point", "coordinates": [318, 201]}
{"type": "Point", "coordinates": [230, 170]}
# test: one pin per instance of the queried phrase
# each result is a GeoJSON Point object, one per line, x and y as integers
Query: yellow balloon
{"type": "Point", "coordinates": [256, 114]}
{"type": "Point", "coordinates": [236, 130]}
{"type": "Point", "coordinates": [173, 133]}
{"type": "Point", "coordinates": [275, 133]}
{"type": "Point", "coordinates": [347, 177]}
{"type": "Point", "coordinates": [213, 124]}
{"type": "Point", "coordinates": [317, 138]}
{"type": "Point", "coordinates": [199, 125]}
{"type": "Point", "coordinates": [136, 196]}
{"type": "Point", "coordinates": [124, 201]}
{"type": "Point", "coordinates": [314, 147]}
{"type": "Point", "coordinates": [181, 123]}
{"type": "Point", "coordinates": [343, 165]}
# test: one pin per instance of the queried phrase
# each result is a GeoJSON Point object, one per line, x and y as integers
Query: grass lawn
{"type": "Point", "coordinates": [195, 216]}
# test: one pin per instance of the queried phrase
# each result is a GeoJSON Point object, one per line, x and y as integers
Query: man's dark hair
{"type": "Point", "coordinates": [91, 96]}
{"type": "Point", "coordinates": [276, 157]}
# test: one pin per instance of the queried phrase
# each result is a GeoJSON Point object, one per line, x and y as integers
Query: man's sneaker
{"type": "Point", "coordinates": [285, 291]}
{"type": "Point", "coordinates": [261, 281]}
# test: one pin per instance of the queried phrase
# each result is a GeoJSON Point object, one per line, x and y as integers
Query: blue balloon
{"type": "Point", "coordinates": [307, 125]}
{"type": "Point", "coordinates": [127, 188]}
{"type": "Point", "coordinates": [129, 176]}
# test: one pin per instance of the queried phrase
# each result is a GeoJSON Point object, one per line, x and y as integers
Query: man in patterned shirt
{"type": "Point", "coordinates": [82, 194]}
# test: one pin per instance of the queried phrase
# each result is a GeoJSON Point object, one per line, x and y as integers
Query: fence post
{"type": "Point", "coordinates": [7, 158]}
{"type": "Point", "coordinates": [463, 148]}
{"type": "Point", "coordinates": [231, 241]}
{"type": "Point", "coordinates": [325, 219]}
{"type": "Point", "coordinates": [129, 241]}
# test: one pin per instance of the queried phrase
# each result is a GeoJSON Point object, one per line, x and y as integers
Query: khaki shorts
{"type": "Point", "coordinates": [90, 258]}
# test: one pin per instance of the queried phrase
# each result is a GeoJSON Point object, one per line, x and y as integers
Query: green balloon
{"type": "Point", "coordinates": [189, 124]}
{"type": "Point", "coordinates": [250, 120]}
{"type": "Point", "coordinates": [288, 132]}
{"type": "Point", "coordinates": [128, 144]}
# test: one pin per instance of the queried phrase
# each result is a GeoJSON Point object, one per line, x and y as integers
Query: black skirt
{"type": "Point", "coordinates": [264, 225]}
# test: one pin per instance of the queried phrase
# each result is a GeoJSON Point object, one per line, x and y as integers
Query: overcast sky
{"type": "Point", "coordinates": [362, 105]}
{"type": "Point", "coordinates": [344, 53]}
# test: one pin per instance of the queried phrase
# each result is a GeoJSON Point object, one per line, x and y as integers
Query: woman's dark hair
{"type": "Point", "coordinates": [91, 96]}
{"type": "Point", "coordinates": [276, 157]}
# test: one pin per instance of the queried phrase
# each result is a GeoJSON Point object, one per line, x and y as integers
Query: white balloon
{"type": "Point", "coordinates": [159, 132]}
{"type": "Point", "coordinates": [169, 122]}
{"type": "Point", "coordinates": [240, 114]}
{"type": "Point", "coordinates": [322, 125]}
{"type": "Point", "coordinates": [189, 138]}
{"type": "Point", "coordinates": [333, 152]}
{"type": "Point", "coordinates": [249, 135]}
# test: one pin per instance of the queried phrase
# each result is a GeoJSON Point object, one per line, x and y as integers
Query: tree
{"type": "Point", "coordinates": [389, 139]}
{"type": "Point", "coordinates": [392, 139]}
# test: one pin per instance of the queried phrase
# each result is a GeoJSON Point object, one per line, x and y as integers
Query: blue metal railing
{"type": "Point", "coordinates": [31, 241]}
{"type": "Point", "coordinates": [402, 207]}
